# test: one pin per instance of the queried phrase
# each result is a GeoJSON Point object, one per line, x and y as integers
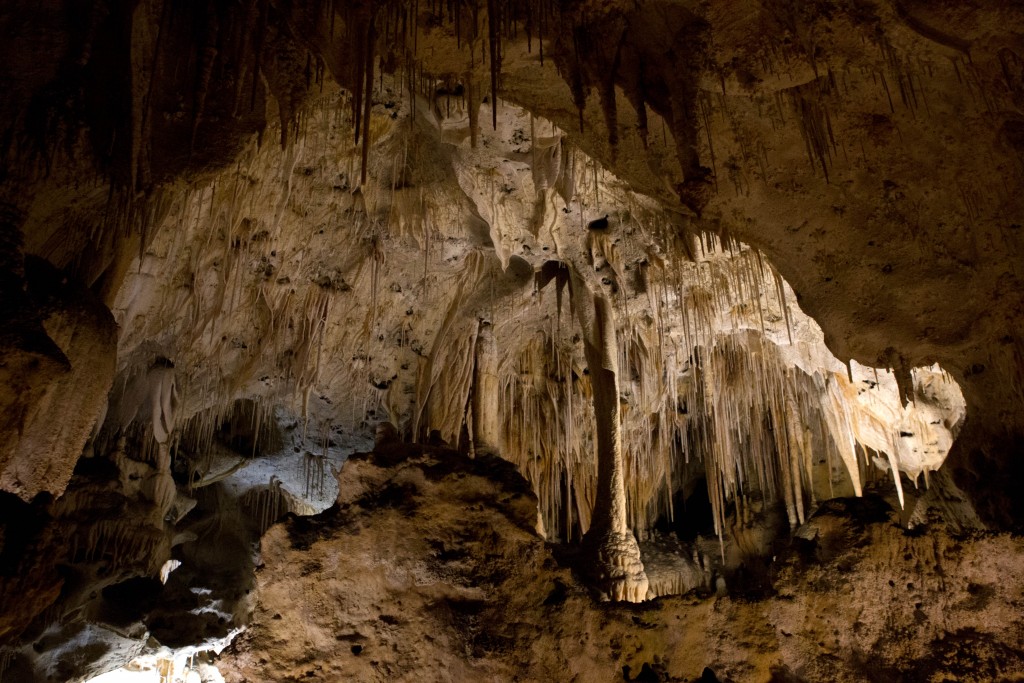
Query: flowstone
{"type": "Point", "coordinates": [615, 569]}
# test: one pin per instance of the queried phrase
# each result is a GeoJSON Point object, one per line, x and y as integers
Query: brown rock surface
{"type": "Point", "coordinates": [53, 384]}
{"type": "Point", "coordinates": [428, 570]}
{"type": "Point", "coordinates": [292, 261]}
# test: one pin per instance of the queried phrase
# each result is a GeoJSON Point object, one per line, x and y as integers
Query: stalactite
{"type": "Point", "coordinates": [261, 35]}
{"type": "Point", "coordinates": [815, 124]}
{"type": "Point", "coordinates": [494, 41]}
{"type": "Point", "coordinates": [609, 108]}
{"type": "Point", "coordinates": [576, 80]}
{"type": "Point", "coordinates": [266, 504]}
{"type": "Point", "coordinates": [540, 30]}
{"type": "Point", "coordinates": [367, 93]}
{"type": "Point", "coordinates": [313, 465]}
{"type": "Point", "coordinates": [359, 77]}
{"type": "Point", "coordinates": [209, 53]}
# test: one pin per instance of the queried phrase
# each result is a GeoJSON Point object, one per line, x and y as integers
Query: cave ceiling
{"type": "Point", "coordinates": [770, 247]}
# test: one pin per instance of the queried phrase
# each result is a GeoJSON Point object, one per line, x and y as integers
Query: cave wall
{"type": "Point", "coordinates": [868, 148]}
{"type": "Point", "coordinates": [173, 176]}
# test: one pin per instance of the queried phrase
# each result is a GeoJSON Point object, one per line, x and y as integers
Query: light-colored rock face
{"type": "Point", "coordinates": [454, 311]}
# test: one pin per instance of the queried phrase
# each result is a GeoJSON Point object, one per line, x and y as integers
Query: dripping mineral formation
{"type": "Point", "coordinates": [456, 340]}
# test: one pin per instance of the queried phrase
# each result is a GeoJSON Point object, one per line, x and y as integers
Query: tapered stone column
{"type": "Point", "coordinates": [612, 556]}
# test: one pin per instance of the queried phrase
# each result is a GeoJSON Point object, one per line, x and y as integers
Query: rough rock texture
{"type": "Point", "coordinates": [55, 384]}
{"type": "Point", "coordinates": [810, 130]}
{"type": "Point", "coordinates": [108, 572]}
{"type": "Point", "coordinates": [428, 569]}
{"type": "Point", "coordinates": [309, 217]}
{"type": "Point", "coordinates": [868, 148]}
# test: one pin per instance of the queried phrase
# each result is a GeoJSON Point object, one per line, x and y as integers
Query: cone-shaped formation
{"type": "Point", "coordinates": [611, 553]}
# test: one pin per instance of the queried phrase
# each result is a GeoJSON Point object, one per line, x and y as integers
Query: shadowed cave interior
{"type": "Point", "coordinates": [511, 340]}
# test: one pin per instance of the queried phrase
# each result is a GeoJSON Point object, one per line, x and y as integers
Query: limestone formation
{"type": "Point", "coordinates": [631, 299]}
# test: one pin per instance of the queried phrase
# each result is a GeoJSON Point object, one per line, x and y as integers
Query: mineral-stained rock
{"type": "Point", "coordinates": [427, 569]}
{"type": "Point", "coordinates": [702, 271]}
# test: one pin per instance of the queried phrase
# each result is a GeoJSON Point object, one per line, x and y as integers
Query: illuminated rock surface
{"type": "Point", "coordinates": [702, 274]}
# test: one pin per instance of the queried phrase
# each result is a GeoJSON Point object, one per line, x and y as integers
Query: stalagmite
{"type": "Point", "coordinates": [485, 394]}
{"type": "Point", "coordinates": [617, 569]}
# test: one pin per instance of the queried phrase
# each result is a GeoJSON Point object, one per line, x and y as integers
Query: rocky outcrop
{"type": "Point", "coordinates": [429, 569]}
{"type": "Point", "coordinates": [54, 383]}
{"type": "Point", "coordinates": [236, 235]}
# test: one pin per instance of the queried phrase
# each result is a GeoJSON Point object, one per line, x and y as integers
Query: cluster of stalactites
{"type": "Point", "coordinates": [715, 374]}
{"type": "Point", "coordinates": [757, 426]}
{"type": "Point", "coordinates": [386, 36]}
{"type": "Point", "coordinates": [547, 414]}
{"type": "Point", "coordinates": [230, 278]}
{"type": "Point", "coordinates": [753, 422]}
{"type": "Point", "coordinates": [547, 430]}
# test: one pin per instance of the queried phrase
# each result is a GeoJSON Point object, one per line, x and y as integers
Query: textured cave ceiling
{"type": "Point", "coordinates": [767, 249]}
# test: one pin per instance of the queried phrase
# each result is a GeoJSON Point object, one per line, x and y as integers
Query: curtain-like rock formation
{"type": "Point", "coordinates": [237, 238]}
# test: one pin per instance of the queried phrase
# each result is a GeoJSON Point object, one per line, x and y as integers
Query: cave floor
{"type": "Point", "coordinates": [429, 569]}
